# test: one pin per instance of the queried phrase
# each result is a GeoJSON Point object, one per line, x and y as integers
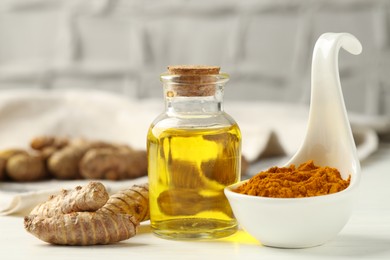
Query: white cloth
{"type": "Point", "coordinates": [18, 198]}
{"type": "Point", "coordinates": [267, 129]}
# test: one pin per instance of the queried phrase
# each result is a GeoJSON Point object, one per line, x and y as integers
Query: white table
{"type": "Point", "coordinates": [366, 235]}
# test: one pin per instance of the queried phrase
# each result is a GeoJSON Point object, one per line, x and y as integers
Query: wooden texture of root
{"type": "Point", "coordinates": [64, 163]}
{"type": "Point", "coordinates": [82, 228]}
{"type": "Point", "coordinates": [26, 167]}
{"type": "Point", "coordinates": [132, 201]}
{"type": "Point", "coordinates": [91, 197]}
{"type": "Point", "coordinates": [87, 216]}
{"type": "Point", "coordinates": [113, 163]}
{"type": "Point", "coordinates": [20, 165]}
{"type": "Point", "coordinates": [104, 163]}
{"type": "Point", "coordinates": [72, 158]}
{"type": "Point", "coordinates": [42, 142]}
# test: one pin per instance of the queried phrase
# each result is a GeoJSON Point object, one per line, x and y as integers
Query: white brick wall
{"type": "Point", "coordinates": [123, 45]}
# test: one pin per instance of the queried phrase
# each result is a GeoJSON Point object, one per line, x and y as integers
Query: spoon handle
{"type": "Point", "coordinates": [326, 88]}
{"type": "Point", "coordinates": [328, 126]}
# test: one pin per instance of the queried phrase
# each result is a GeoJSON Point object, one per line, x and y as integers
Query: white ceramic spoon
{"type": "Point", "coordinates": [329, 139]}
{"type": "Point", "coordinates": [306, 222]}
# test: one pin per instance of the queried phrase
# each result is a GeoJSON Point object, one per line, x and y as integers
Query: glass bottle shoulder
{"type": "Point", "coordinates": [213, 120]}
{"type": "Point", "coordinates": [201, 123]}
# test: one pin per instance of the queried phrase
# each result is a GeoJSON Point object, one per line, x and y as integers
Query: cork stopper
{"type": "Point", "coordinates": [193, 80]}
{"type": "Point", "coordinates": [193, 70]}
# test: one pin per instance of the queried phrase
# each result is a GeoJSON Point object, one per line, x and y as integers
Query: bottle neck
{"type": "Point", "coordinates": [194, 105]}
{"type": "Point", "coordinates": [194, 94]}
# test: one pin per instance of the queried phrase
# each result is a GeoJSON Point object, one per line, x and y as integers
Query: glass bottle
{"type": "Point", "coordinates": [194, 152]}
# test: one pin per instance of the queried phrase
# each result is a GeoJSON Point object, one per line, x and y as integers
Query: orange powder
{"type": "Point", "coordinates": [289, 182]}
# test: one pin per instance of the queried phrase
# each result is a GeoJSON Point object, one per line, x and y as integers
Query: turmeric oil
{"type": "Point", "coordinates": [190, 169]}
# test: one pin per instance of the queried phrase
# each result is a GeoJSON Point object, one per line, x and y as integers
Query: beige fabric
{"type": "Point", "coordinates": [268, 129]}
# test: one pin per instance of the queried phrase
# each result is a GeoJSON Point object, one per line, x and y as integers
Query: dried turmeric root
{"type": "Point", "coordinates": [43, 142]}
{"type": "Point", "coordinates": [78, 217]}
{"type": "Point", "coordinates": [132, 201]}
{"type": "Point", "coordinates": [3, 163]}
{"type": "Point", "coordinates": [26, 167]}
{"type": "Point", "coordinates": [64, 163]}
{"type": "Point", "coordinates": [114, 163]}
{"type": "Point", "coordinates": [88, 198]}
{"type": "Point", "coordinates": [92, 159]}
{"type": "Point", "coordinates": [82, 228]}
{"type": "Point", "coordinates": [75, 158]}
{"type": "Point", "coordinates": [20, 165]}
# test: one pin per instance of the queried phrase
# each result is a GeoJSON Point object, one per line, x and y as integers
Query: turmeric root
{"type": "Point", "coordinates": [132, 201]}
{"type": "Point", "coordinates": [62, 155]}
{"type": "Point", "coordinates": [19, 165]}
{"type": "Point", "coordinates": [114, 163]}
{"type": "Point", "coordinates": [26, 167]}
{"type": "Point", "coordinates": [137, 164]}
{"type": "Point", "coordinates": [64, 164]}
{"type": "Point", "coordinates": [88, 198]}
{"type": "Point", "coordinates": [65, 219]}
{"type": "Point", "coordinates": [42, 142]}
{"type": "Point", "coordinates": [104, 163]}
{"type": "Point", "coordinates": [98, 160]}
{"type": "Point", "coordinates": [64, 158]}
{"type": "Point", "coordinates": [82, 228]}
{"type": "Point", "coordinates": [48, 145]}
{"type": "Point", "coordinates": [2, 168]}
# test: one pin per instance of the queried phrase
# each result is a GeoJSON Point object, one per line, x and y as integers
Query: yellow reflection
{"type": "Point", "coordinates": [241, 237]}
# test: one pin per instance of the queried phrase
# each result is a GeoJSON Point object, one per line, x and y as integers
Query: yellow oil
{"type": "Point", "coordinates": [188, 170]}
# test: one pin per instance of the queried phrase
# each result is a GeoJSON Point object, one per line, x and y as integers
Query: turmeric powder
{"type": "Point", "coordinates": [307, 180]}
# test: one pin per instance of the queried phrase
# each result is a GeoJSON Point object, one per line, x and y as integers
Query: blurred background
{"type": "Point", "coordinates": [122, 46]}
{"type": "Point", "coordinates": [91, 68]}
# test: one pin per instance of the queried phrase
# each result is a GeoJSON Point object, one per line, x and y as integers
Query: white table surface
{"type": "Point", "coordinates": [366, 235]}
